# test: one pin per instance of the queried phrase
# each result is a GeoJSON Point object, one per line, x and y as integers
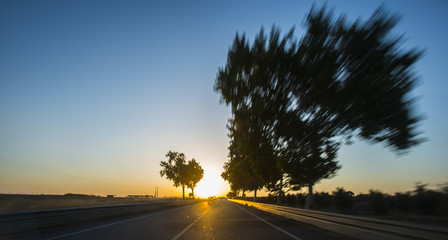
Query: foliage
{"type": "Point", "coordinates": [239, 172]}
{"type": "Point", "coordinates": [232, 194]}
{"type": "Point", "coordinates": [379, 202]}
{"type": "Point", "coordinates": [421, 201]}
{"type": "Point", "coordinates": [323, 200]}
{"type": "Point", "coordinates": [180, 172]}
{"type": "Point", "coordinates": [194, 173]}
{"type": "Point", "coordinates": [251, 157]}
{"type": "Point", "coordinates": [402, 202]}
{"type": "Point", "coordinates": [343, 199]}
{"type": "Point", "coordinates": [426, 201]}
{"type": "Point", "coordinates": [295, 101]}
{"type": "Point", "coordinates": [174, 168]}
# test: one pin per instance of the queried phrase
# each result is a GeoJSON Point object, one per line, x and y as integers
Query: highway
{"type": "Point", "coordinates": [219, 219]}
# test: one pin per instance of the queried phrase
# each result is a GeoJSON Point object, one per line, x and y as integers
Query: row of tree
{"type": "Point", "coordinates": [419, 201]}
{"type": "Point", "coordinates": [181, 172]}
{"type": "Point", "coordinates": [294, 102]}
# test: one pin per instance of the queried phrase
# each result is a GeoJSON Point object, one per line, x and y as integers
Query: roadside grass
{"type": "Point", "coordinates": [26, 202]}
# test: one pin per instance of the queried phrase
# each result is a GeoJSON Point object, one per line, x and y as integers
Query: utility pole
{"type": "Point", "coordinates": [156, 192]}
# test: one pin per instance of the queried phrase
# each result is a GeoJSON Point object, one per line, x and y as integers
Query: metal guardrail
{"type": "Point", "coordinates": [357, 227]}
{"type": "Point", "coordinates": [30, 221]}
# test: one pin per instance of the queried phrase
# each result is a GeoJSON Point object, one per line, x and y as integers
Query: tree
{"type": "Point", "coordinates": [238, 173]}
{"type": "Point", "coordinates": [303, 98]}
{"type": "Point", "coordinates": [175, 169]}
{"type": "Point", "coordinates": [232, 194]}
{"type": "Point", "coordinates": [343, 199]}
{"type": "Point", "coordinates": [309, 163]}
{"type": "Point", "coordinates": [180, 172]}
{"type": "Point", "coordinates": [252, 161]}
{"type": "Point", "coordinates": [194, 174]}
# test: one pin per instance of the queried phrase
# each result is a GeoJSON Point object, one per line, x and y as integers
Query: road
{"type": "Point", "coordinates": [219, 219]}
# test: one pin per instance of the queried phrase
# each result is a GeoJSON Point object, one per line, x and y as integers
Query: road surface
{"type": "Point", "coordinates": [219, 219]}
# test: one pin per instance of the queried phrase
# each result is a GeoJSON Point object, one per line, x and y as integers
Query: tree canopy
{"type": "Point", "coordinates": [181, 172]}
{"type": "Point", "coordinates": [194, 173]}
{"type": "Point", "coordinates": [295, 101]}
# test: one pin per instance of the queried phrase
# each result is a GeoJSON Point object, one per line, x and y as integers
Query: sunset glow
{"type": "Point", "coordinates": [91, 101]}
{"type": "Point", "coordinates": [211, 184]}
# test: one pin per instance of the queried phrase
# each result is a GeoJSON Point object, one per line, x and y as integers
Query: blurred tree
{"type": "Point", "coordinates": [232, 194]}
{"type": "Point", "coordinates": [426, 201]}
{"type": "Point", "coordinates": [402, 202]}
{"type": "Point", "coordinates": [252, 161]}
{"type": "Point", "coordinates": [323, 200]}
{"type": "Point", "coordinates": [238, 173]}
{"type": "Point", "coordinates": [343, 199]}
{"type": "Point", "coordinates": [379, 202]}
{"type": "Point", "coordinates": [310, 161]}
{"type": "Point", "coordinates": [194, 173]}
{"type": "Point", "coordinates": [299, 99]}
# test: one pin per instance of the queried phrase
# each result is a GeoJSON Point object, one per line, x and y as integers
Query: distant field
{"type": "Point", "coordinates": [24, 202]}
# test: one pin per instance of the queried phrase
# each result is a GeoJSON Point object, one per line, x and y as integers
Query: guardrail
{"type": "Point", "coordinates": [29, 221]}
{"type": "Point", "coordinates": [354, 226]}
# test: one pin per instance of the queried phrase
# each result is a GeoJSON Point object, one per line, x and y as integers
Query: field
{"type": "Point", "coordinates": [25, 202]}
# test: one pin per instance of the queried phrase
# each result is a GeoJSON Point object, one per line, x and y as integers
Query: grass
{"type": "Point", "coordinates": [25, 202]}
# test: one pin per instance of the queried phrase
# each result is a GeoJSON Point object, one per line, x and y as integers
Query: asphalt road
{"type": "Point", "coordinates": [219, 219]}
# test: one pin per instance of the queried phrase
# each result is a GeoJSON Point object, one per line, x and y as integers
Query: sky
{"type": "Point", "coordinates": [93, 94]}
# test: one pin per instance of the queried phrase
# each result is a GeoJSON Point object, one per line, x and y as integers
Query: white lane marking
{"type": "Point", "coordinates": [110, 224]}
{"type": "Point", "coordinates": [270, 224]}
{"type": "Point", "coordinates": [189, 226]}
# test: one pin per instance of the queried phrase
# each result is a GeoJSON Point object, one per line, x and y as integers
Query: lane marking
{"type": "Point", "coordinates": [110, 224]}
{"type": "Point", "coordinates": [188, 227]}
{"type": "Point", "coordinates": [270, 224]}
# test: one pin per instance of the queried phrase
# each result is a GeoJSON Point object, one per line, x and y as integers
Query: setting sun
{"type": "Point", "coordinates": [211, 184]}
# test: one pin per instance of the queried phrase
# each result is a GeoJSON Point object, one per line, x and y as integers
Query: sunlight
{"type": "Point", "coordinates": [211, 184]}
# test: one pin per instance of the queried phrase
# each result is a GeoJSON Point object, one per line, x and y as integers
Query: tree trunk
{"type": "Point", "coordinates": [309, 197]}
{"type": "Point", "coordinates": [183, 192]}
{"type": "Point", "coordinates": [192, 192]}
{"type": "Point", "coordinates": [280, 192]}
{"type": "Point", "coordinates": [243, 195]}
{"type": "Point", "coordinates": [255, 195]}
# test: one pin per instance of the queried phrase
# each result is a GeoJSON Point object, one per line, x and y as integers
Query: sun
{"type": "Point", "coordinates": [211, 184]}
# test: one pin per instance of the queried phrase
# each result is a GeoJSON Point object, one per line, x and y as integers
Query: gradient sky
{"type": "Point", "coordinates": [93, 94]}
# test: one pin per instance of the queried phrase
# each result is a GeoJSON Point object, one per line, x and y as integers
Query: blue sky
{"type": "Point", "coordinates": [94, 93]}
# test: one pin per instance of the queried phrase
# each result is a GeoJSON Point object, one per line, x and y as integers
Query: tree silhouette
{"type": "Point", "coordinates": [252, 160]}
{"type": "Point", "coordinates": [194, 174]}
{"type": "Point", "coordinates": [299, 100]}
{"type": "Point", "coordinates": [240, 176]}
{"type": "Point", "coordinates": [181, 172]}
{"type": "Point", "coordinates": [175, 170]}
{"type": "Point", "coordinates": [238, 172]}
